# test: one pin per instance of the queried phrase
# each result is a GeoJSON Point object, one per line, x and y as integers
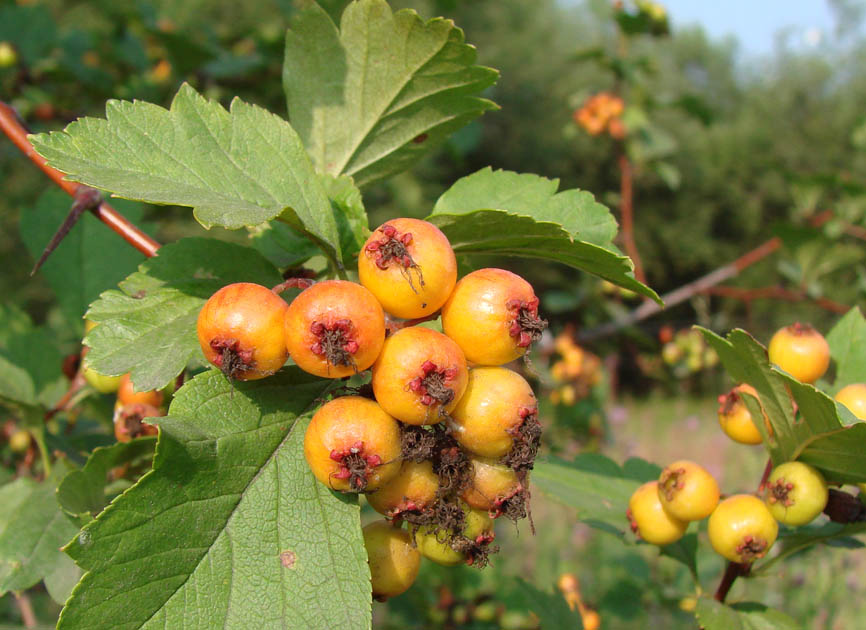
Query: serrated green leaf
{"type": "Point", "coordinates": [32, 531]}
{"type": "Point", "coordinates": [148, 327]}
{"type": "Point", "coordinates": [230, 527]}
{"type": "Point", "coordinates": [235, 168]}
{"type": "Point", "coordinates": [83, 491]}
{"type": "Point", "coordinates": [847, 342]}
{"type": "Point", "coordinates": [592, 484]}
{"type": "Point", "coordinates": [534, 196]}
{"type": "Point", "coordinates": [509, 214]}
{"type": "Point", "coordinates": [60, 582]}
{"type": "Point", "coordinates": [550, 606]}
{"type": "Point", "coordinates": [371, 98]}
{"type": "Point", "coordinates": [286, 247]}
{"type": "Point", "coordinates": [714, 615]}
{"type": "Point", "coordinates": [816, 436]}
{"type": "Point", "coordinates": [89, 260]}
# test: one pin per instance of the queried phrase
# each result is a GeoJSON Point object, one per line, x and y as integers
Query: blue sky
{"type": "Point", "coordinates": [755, 22]}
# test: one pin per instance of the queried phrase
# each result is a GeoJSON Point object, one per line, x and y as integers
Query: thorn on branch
{"type": "Point", "coordinates": [85, 199]}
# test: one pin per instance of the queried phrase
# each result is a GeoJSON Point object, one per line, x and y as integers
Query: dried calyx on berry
{"type": "Point", "coordinates": [391, 250]}
{"type": "Point", "coordinates": [336, 342]}
{"type": "Point", "coordinates": [434, 384]}
{"type": "Point", "coordinates": [354, 465]}
{"type": "Point", "coordinates": [525, 325]}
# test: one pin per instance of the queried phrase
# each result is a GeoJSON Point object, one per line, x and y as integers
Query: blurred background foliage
{"type": "Point", "coordinates": [731, 151]}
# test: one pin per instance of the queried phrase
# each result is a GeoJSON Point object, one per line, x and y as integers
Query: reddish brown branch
{"type": "Point", "coordinates": [63, 404]}
{"type": "Point", "coordinates": [28, 617]}
{"type": "Point", "coordinates": [701, 285]}
{"type": "Point", "coordinates": [626, 207]}
{"type": "Point", "coordinates": [732, 572]}
{"type": "Point", "coordinates": [776, 293]}
{"type": "Point", "coordinates": [16, 132]}
{"type": "Point", "coordinates": [768, 469]}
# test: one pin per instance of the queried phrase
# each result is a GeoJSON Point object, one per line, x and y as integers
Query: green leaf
{"type": "Point", "coordinates": [82, 492]}
{"type": "Point", "coordinates": [793, 541]}
{"type": "Point", "coordinates": [237, 168]}
{"type": "Point", "coordinates": [592, 484]}
{"type": "Point", "coordinates": [30, 368]}
{"type": "Point", "coordinates": [816, 436]}
{"type": "Point", "coordinates": [286, 247]}
{"type": "Point", "coordinates": [685, 551]}
{"type": "Point", "coordinates": [509, 214]}
{"type": "Point", "coordinates": [550, 606]}
{"type": "Point", "coordinates": [89, 260]}
{"type": "Point", "coordinates": [713, 615]}
{"type": "Point", "coordinates": [32, 530]}
{"type": "Point", "coordinates": [371, 98]}
{"type": "Point", "coordinates": [148, 328]}
{"type": "Point", "coordinates": [848, 348]}
{"type": "Point", "coordinates": [230, 527]}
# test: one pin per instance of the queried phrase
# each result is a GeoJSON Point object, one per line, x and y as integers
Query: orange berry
{"type": "Point", "coordinates": [419, 375]}
{"type": "Point", "coordinates": [128, 421]}
{"type": "Point", "coordinates": [735, 419]}
{"type": "Point", "coordinates": [240, 329]}
{"type": "Point", "coordinates": [126, 394]}
{"type": "Point", "coordinates": [496, 405]}
{"type": "Point", "coordinates": [801, 351]}
{"type": "Point", "coordinates": [854, 398]}
{"type": "Point", "coordinates": [649, 520]}
{"type": "Point", "coordinates": [408, 264]}
{"type": "Point", "coordinates": [495, 488]}
{"type": "Point", "coordinates": [687, 491]}
{"type": "Point", "coordinates": [413, 489]}
{"type": "Point", "coordinates": [351, 444]}
{"type": "Point", "coordinates": [334, 329]}
{"type": "Point", "coordinates": [493, 316]}
{"type": "Point", "coordinates": [394, 561]}
{"type": "Point", "coordinates": [796, 493]}
{"type": "Point", "coordinates": [742, 529]}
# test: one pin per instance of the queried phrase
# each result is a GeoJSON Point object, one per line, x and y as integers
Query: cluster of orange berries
{"type": "Point", "coordinates": [436, 444]}
{"type": "Point", "coordinates": [602, 112]}
{"type": "Point", "coordinates": [743, 527]}
{"type": "Point", "coordinates": [131, 407]}
{"type": "Point", "coordinates": [575, 373]}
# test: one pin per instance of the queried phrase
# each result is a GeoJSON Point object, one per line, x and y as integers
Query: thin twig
{"type": "Point", "coordinates": [732, 572]}
{"type": "Point", "coordinates": [776, 293]}
{"type": "Point", "coordinates": [16, 132]}
{"type": "Point", "coordinates": [28, 617]}
{"type": "Point", "coordinates": [701, 285]}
